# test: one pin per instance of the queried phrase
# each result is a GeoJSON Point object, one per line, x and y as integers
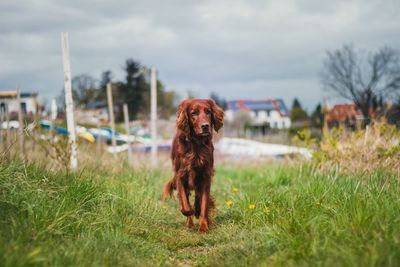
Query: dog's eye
{"type": "Point", "coordinates": [194, 113]}
{"type": "Point", "coordinates": [208, 111]}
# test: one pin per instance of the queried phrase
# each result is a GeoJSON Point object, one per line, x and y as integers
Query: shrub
{"type": "Point", "coordinates": [376, 147]}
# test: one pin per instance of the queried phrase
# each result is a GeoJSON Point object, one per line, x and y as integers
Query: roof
{"type": "Point", "coordinates": [256, 105]}
{"type": "Point", "coordinates": [341, 112]}
{"type": "Point", "coordinates": [14, 94]}
{"type": "Point", "coordinates": [8, 93]}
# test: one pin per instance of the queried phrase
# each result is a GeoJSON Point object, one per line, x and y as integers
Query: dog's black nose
{"type": "Point", "coordinates": [205, 127]}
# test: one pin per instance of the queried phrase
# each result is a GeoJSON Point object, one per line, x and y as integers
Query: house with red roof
{"type": "Point", "coordinates": [348, 115]}
{"type": "Point", "coordinates": [264, 114]}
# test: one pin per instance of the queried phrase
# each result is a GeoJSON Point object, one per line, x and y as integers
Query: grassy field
{"type": "Point", "coordinates": [280, 216]}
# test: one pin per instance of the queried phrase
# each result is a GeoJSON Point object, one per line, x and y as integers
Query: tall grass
{"type": "Point", "coordinates": [278, 215]}
{"type": "Point", "coordinates": [360, 151]}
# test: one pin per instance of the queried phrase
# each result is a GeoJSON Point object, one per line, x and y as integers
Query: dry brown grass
{"type": "Point", "coordinates": [375, 148]}
{"type": "Point", "coordinates": [53, 154]}
{"type": "Point", "coordinates": [362, 151]}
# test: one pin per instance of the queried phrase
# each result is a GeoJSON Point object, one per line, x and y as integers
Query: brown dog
{"type": "Point", "coordinates": [193, 158]}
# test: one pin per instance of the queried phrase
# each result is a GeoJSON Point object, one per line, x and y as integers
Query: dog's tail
{"type": "Point", "coordinates": [167, 190]}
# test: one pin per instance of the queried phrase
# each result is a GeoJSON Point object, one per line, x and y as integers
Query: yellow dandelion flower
{"type": "Point", "coordinates": [267, 210]}
{"type": "Point", "coordinates": [252, 206]}
{"type": "Point", "coordinates": [229, 203]}
{"type": "Point", "coordinates": [235, 190]}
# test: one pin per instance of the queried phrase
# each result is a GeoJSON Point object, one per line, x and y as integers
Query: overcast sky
{"type": "Point", "coordinates": [238, 49]}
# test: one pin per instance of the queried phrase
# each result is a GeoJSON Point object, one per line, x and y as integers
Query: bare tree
{"type": "Point", "coordinates": [362, 78]}
{"type": "Point", "coordinates": [84, 88]}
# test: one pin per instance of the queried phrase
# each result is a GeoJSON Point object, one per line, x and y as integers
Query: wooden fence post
{"type": "Point", "coordinates": [2, 137]}
{"type": "Point", "coordinates": [153, 115]}
{"type": "Point", "coordinates": [111, 116]}
{"type": "Point", "coordinates": [68, 101]}
{"type": "Point", "coordinates": [8, 135]}
{"type": "Point", "coordinates": [128, 141]}
{"type": "Point", "coordinates": [21, 134]}
{"type": "Point", "coordinates": [36, 128]}
{"type": "Point", "coordinates": [98, 140]}
{"type": "Point", "coordinates": [53, 113]}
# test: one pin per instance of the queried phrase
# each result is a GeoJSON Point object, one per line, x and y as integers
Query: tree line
{"type": "Point", "coordinates": [134, 90]}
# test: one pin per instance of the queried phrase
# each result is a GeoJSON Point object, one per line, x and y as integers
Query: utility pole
{"type": "Point", "coordinates": [153, 115]}
{"type": "Point", "coordinates": [68, 102]}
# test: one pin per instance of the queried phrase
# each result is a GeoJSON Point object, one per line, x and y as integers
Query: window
{"type": "Point", "coordinates": [23, 107]}
{"type": "Point", "coordinates": [3, 108]}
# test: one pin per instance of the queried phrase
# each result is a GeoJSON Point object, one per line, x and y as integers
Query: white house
{"type": "Point", "coordinates": [9, 103]}
{"type": "Point", "coordinates": [265, 114]}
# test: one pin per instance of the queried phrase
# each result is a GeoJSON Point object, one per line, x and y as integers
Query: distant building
{"type": "Point", "coordinates": [264, 114]}
{"type": "Point", "coordinates": [347, 115]}
{"type": "Point", "coordinates": [9, 103]}
{"type": "Point", "coordinates": [350, 116]}
{"type": "Point", "coordinates": [94, 112]}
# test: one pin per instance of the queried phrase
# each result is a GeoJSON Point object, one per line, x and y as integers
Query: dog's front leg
{"type": "Point", "coordinates": [183, 193]}
{"type": "Point", "coordinates": [205, 197]}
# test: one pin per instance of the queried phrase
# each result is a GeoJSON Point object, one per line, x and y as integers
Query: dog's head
{"type": "Point", "coordinates": [198, 117]}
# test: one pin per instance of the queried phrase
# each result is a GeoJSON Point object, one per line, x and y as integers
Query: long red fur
{"type": "Point", "coordinates": [193, 159]}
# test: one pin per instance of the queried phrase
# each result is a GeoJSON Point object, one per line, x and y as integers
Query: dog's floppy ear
{"type": "Point", "coordinates": [217, 115]}
{"type": "Point", "coordinates": [182, 120]}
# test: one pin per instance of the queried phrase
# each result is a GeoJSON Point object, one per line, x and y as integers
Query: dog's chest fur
{"type": "Point", "coordinates": [200, 155]}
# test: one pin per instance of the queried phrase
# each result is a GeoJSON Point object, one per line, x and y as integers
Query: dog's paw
{"type": "Point", "coordinates": [203, 228]}
{"type": "Point", "coordinates": [203, 225]}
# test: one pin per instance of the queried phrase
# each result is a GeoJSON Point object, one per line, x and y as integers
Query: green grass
{"type": "Point", "coordinates": [97, 218]}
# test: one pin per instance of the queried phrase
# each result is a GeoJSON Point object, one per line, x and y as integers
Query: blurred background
{"type": "Point", "coordinates": [307, 169]}
{"type": "Point", "coordinates": [277, 68]}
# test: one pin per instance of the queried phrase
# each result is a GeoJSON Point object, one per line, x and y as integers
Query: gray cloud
{"type": "Point", "coordinates": [239, 49]}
